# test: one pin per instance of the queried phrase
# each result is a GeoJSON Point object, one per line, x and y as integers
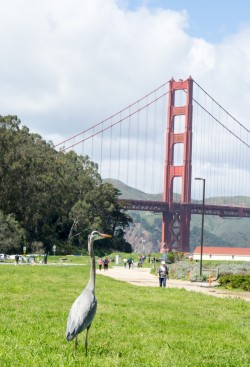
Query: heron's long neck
{"type": "Point", "coordinates": [91, 283]}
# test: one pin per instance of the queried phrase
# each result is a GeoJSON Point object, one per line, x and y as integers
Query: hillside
{"type": "Point", "coordinates": [145, 233]}
{"type": "Point", "coordinates": [131, 192]}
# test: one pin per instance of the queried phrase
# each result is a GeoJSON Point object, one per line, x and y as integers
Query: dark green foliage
{"type": "Point", "coordinates": [175, 256]}
{"type": "Point", "coordinates": [236, 281]}
{"type": "Point", "coordinates": [171, 257]}
{"type": "Point", "coordinates": [11, 234]}
{"type": "Point", "coordinates": [56, 197]}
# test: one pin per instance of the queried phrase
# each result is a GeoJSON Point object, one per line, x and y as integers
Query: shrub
{"type": "Point", "coordinates": [171, 257]}
{"type": "Point", "coordinates": [198, 278]}
{"type": "Point", "coordinates": [236, 281]}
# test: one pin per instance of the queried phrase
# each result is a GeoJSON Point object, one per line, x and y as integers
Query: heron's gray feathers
{"type": "Point", "coordinates": [81, 314]}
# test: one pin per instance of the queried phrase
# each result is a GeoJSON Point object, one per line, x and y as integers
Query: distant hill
{"type": "Point", "coordinates": [131, 192]}
{"type": "Point", "coordinates": [145, 233]}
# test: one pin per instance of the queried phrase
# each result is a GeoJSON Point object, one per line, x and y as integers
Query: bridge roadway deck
{"type": "Point", "coordinates": [193, 208]}
{"type": "Point", "coordinates": [142, 277]}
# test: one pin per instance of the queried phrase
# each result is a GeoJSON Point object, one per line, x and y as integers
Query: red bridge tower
{"type": "Point", "coordinates": [176, 225]}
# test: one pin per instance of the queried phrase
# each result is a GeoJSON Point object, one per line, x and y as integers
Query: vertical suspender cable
{"type": "Point", "coordinates": [225, 156]}
{"type": "Point", "coordinates": [154, 147]}
{"type": "Point", "coordinates": [220, 141]}
{"type": "Point", "coordinates": [240, 169]}
{"type": "Point", "coordinates": [211, 130]}
{"type": "Point", "coordinates": [128, 147]}
{"type": "Point", "coordinates": [83, 144]}
{"type": "Point", "coordinates": [92, 147]}
{"type": "Point", "coordinates": [119, 155]}
{"type": "Point", "coordinates": [145, 153]}
{"type": "Point", "coordinates": [236, 167]}
{"type": "Point", "coordinates": [101, 151]}
{"type": "Point", "coordinates": [137, 142]}
{"type": "Point", "coordinates": [217, 151]}
{"type": "Point", "coordinates": [110, 149]}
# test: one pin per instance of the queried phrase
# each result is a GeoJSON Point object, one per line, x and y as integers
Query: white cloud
{"type": "Point", "coordinates": [201, 57]}
{"type": "Point", "coordinates": [77, 60]}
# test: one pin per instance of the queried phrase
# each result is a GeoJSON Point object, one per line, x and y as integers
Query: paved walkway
{"type": "Point", "coordinates": [142, 277]}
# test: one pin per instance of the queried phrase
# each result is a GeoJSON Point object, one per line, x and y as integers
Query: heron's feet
{"type": "Point", "coordinates": [76, 344]}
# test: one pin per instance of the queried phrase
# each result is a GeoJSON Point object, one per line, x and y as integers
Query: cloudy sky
{"type": "Point", "coordinates": [67, 64]}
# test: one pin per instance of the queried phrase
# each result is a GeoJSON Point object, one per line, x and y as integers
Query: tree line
{"type": "Point", "coordinates": [49, 197]}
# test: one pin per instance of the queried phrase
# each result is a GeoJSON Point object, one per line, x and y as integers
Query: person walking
{"type": "Point", "coordinates": [106, 263]}
{"type": "Point", "coordinates": [163, 273]}
{"type": "Point", "coordinates": [100, 263]}
{"type": "Point", "coordinates": [130, 261]}
{"type": "Point", "coordinates": [16, 260]}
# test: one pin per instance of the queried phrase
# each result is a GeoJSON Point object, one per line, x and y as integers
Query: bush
{"type": "Point", "coordinates": [198, 278]}
{"type": "Point", "coordinates": [236, 281]}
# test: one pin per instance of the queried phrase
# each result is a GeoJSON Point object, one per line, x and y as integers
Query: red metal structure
{"type": "Point", "coordinates": [176, 225]}
{"type": "Point", "coordinates": [176, 213]}
{"type": "Point", "coordinates": [194, 208]}
{"type": "Point", "coordinates": [176, 217]}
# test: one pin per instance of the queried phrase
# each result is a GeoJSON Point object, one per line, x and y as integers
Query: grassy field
{"type": "Point", "coordinates": [134, 326]}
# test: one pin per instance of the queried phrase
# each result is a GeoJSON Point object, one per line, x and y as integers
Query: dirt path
{"type": "Point", "coordinates": [142, 277]}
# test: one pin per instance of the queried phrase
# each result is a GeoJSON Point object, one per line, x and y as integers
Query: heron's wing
{"type": "Point", "coordinates": [81, 314]}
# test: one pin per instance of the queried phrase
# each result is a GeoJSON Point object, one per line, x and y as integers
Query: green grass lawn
{"type": "Point", "coordinates": [134, 326]}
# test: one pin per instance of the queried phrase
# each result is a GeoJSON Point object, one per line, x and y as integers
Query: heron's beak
{"type": "Point", "coordinates": [105, 235]}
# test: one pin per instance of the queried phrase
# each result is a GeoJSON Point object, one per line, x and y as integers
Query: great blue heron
{"type": "Point", "coordinates": [83, 309]}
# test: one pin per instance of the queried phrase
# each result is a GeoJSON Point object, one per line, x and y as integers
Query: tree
{"type": "Point", "coordinates": [11, 234]}
{"type": "Point", "coordinates": [53, 194]}
{"type": "Point", "coordinates": [98, 208]}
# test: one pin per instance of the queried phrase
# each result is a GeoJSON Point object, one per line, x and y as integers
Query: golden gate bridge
{"type": "Point", "coordinates": [160, 143]}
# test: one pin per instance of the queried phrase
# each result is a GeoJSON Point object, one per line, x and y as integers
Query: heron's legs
{"type": "Point", "coordinates": [86, 340]}
{"type": "Point", "coordinates": [76, 344]}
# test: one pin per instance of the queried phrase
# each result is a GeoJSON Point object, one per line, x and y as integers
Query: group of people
{"type": "Point", "coordinates": [103, 263]}
{"type": "Point", "coordinates": [162, 270]}
{"type": "Point", "coordinates": [32, 260]}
